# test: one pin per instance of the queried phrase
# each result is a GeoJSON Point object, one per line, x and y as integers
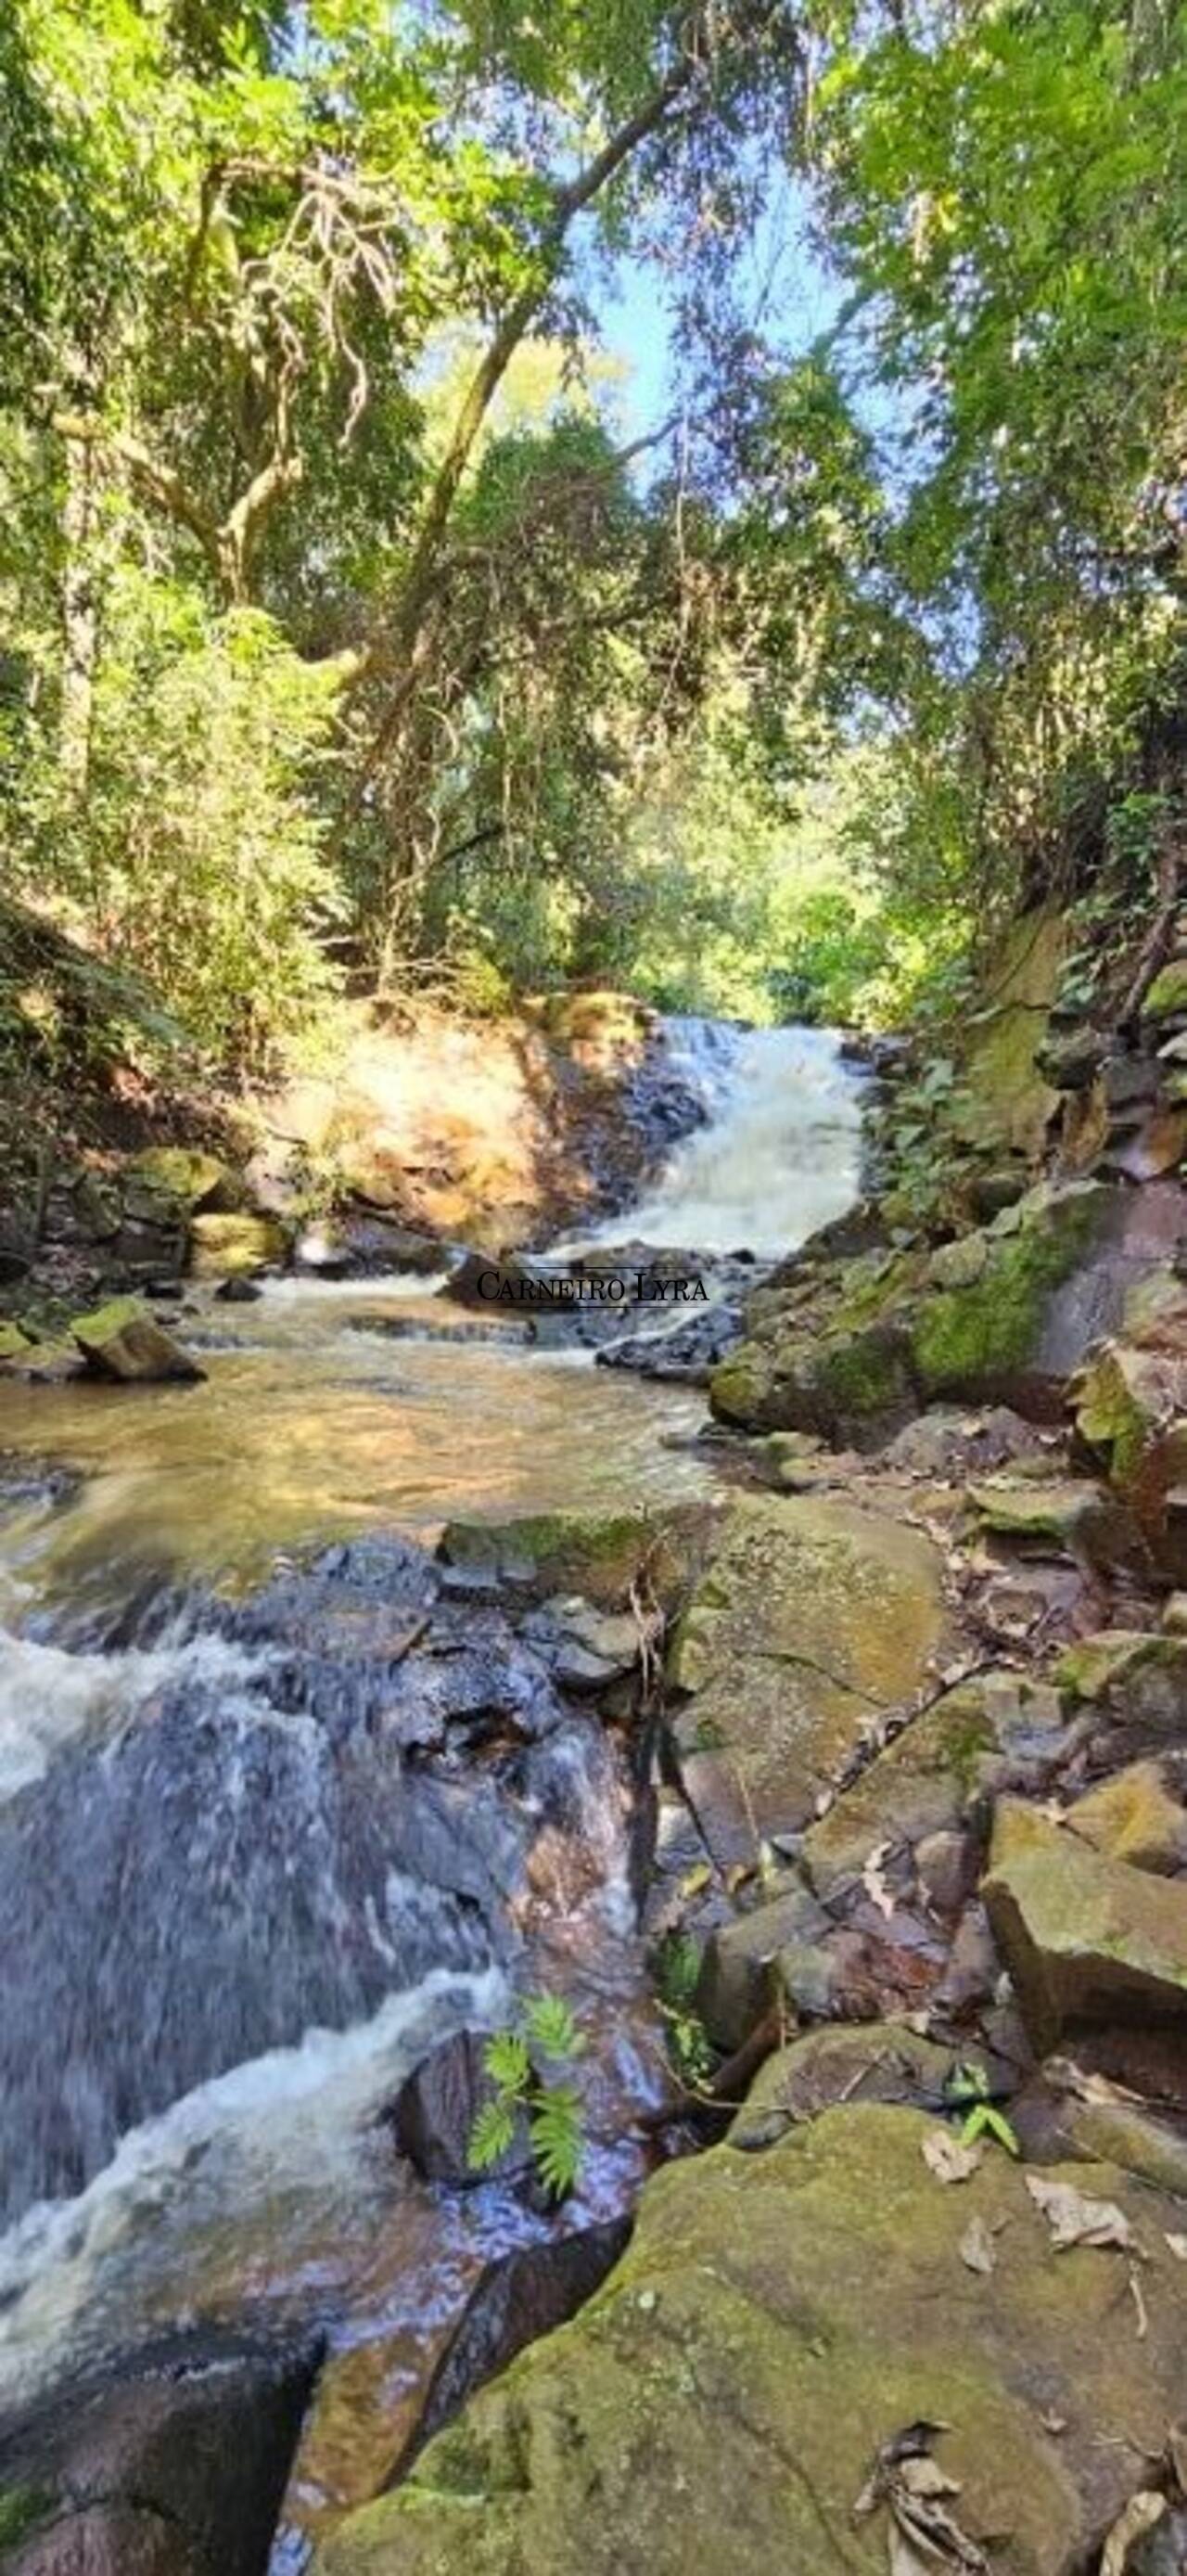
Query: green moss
{"type": "Point", "coordinates": [181, 1172]}
{"type": "Point", "coordinates": [20, 2508]}
{"type": "Point", "coordinates": [1168, 992]}
{"type": "Point", "coordinates": [964, 1337]}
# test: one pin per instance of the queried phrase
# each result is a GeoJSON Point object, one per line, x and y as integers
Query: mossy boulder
{"type": "Point", "coordinates": [1007, 1322]}
{"type": "Point", "coordinates": [777, 2321]}
{"type": "Point", "coordinates": [186, 1174]}
{"type": "Point", "coordinates": [1086, 1939]}
{"type": "Point", "coordinates": [600, 1555]}
{"type": "Point", "coordinates": [813, 1616]}
{"type": "Point", "coordinates": [235, 1247]}
{"type": "Point", "coordinates": [123, 1340]}
{"type": "Point", "coordinates": [14, 1343]}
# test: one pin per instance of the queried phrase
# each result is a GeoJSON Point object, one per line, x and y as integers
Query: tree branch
{"type": "Point", "coordinates": [165, 486]}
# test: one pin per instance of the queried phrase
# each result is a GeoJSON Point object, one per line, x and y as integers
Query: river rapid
{"type": "Point", "coordinates": [250, 1874]}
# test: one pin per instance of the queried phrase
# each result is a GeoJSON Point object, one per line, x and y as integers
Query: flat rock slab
{"type": "Point", "coordinates": [779, 2318]}
{"type": "Point", "coordinates": [1087, 1939]}
{"type": "Point", "coordinates": [814, 1618]}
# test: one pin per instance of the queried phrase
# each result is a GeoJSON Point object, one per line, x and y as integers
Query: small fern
{"type": "Point", "coordinates": [546, 2032]}
{"type": "Point", "coordinates": [493, 2132]}
{"type": "Point", "coordinates": [555, 2123]}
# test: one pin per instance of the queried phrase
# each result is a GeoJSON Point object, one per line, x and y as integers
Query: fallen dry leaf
{"type": "Point", "coordinates": [1075, 2220]}
{"type": "Point", "coordinates": [923, 2536]}
{"type": "Point", "coordinates": [1178, 2246]}
{"type": "Point", "coordinates": [976, 2247]}
{"type": "Point", "coordinates": [1053, 2423]}
{"type": "Point", "coordinates": [874, 1882]}
{"type": "Point", "coordinates": [947, 2157]}
{"type": "Point", "coordinates": [1140, 2516]}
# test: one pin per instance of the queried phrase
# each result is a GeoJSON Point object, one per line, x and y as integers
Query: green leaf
{"type": "Point", "coordinates": [556, 2128]}
{"type": "Point", "coordinates": [506, 2060]}
{"type": "Point", "coordinates": [984, 2121]}
{"type": "Point", "coordinates": [492, 2132]}
{"type": "Point", "coordinates": [550, 2027]}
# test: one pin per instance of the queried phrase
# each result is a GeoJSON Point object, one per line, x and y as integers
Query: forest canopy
{"type": "Point", "coordinates": [356, 634]}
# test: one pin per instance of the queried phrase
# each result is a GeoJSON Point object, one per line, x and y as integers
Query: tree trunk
{"type": "Point", "coordinates": [80, 621]}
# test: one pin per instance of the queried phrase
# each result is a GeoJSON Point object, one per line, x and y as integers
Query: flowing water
{"type": "Point", "coordinates": [254, 1861]}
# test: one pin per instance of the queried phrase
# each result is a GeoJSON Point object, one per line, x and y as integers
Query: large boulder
{"type": "Point", "coordinates": [175, 2467]}
{"type": "Point", "coordinates": [1087, 1938]}
{"type": "Point", "coordinates": [123, 1340]}
{"type": "Point", "coordinates": [814, 1618]}
{"type": "Point", "coordinates": [780, 2321]}
{"type": "Point", "coordinates": [1007, 1321]}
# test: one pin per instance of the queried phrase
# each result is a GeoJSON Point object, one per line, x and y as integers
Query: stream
{"type": "Point", "coordinates": [257, 1857]}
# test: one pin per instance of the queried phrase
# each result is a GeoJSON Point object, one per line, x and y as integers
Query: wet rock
{"type": "Point", "coordinates": [583, 1647]}
{"type": "Point", "coordinates": [813, 1616]}
{"type": "Point", "coordinates": [1136, 1816]}
{"type": "Point", "coordinates": [435, 2110]}
{"type": "Point", "coordinates": [174, 2466]}
{"type": "Point", "coordinates": [122, 1340]}
{"type": "Point", "coordinates": [1086, 1939]}
{"type": "Point", "coordinates": [108, 2540]}
{"type": "Point", "coordinates": [210, 1884]}
{"type": "Point", "coordinates": [778, 2319]}
{"type": "Point", "coordinates": [238, 1291]}
{"type": "Point", "coordinates": [491, 1286]}
{"type": "Point", "coordinates": [46, 1363]}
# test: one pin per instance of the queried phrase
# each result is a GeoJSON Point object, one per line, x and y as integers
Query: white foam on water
{"type": "Point", "coordinates": [50, 1698]}
{"type": "Point", "coordinates": [279, 2141]}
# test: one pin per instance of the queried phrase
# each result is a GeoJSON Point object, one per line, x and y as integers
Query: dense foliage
{"type": "Point", "coordinates": [346, 632]}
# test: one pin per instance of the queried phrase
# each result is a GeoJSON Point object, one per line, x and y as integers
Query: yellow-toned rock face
{"type": "Point", "coordinates": [814, 1616]}
{"type": "Point", "coordinates": [780, 2316]}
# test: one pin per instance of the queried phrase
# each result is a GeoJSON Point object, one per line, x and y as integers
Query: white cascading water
{"type": "Point", "coordinates": [778, 1156]}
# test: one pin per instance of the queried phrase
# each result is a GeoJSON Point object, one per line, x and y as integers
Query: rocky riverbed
{"type": "Point", "coordinates": [841, 1795]}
